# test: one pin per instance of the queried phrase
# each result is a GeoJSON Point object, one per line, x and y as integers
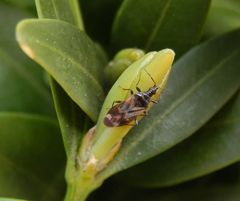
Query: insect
{"type": "Point", "coordinates": [124, 112]}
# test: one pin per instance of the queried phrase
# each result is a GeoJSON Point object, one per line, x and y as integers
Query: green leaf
{"type": "Point", "coordinates": [22, 83]}
{"type": "Point", "coordinates": [98, 17]}
{"type": "Point", "coordinates": [67, 111]}
{"type": "Point", "coordinates": [73, 122]}
{"type": "Point", "coordinates": [69, 56]}
{"type": "Point", "coordinates": [31, 157]}
{"type": "Point", "coordinates": [21, 4]}
{"type": "Point", "coordinates": [214, 146]}
{"type": "Point", "coordinates": [223, 16]}
{"type": "Point", "coordinates": [10, 199]}
{"type": "Point", "coordinates": [198, 192]}
{"type": "Point", "coordinates": [25, 91]}
{"type": "Point", "coordinates": [67, 11]}
{"type": "Point", "coordinates": [199, 85]}
{"type": "Point", "coordinates": [159, 24]}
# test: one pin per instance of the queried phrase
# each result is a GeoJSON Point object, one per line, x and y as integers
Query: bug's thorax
{"type": "Point", "coordinates": [143, 98]}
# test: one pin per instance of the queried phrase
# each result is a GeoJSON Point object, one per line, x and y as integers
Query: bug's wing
{"type": "Point", "coordinates": [114, 116]}
{"type": "Point", "coordinates": [134, 112]}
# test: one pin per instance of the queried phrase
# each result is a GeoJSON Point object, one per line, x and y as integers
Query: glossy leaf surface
{"type": "Point", "coordinates": [159, 24]}
{"type": "Point", "coordinates": [22, 83]}
{"type": "Point", "coordinates": [31, 157]}
{"type": "Point", "coordinates": [60, 9]}
{"type": "Point", "coordinates": [69, 56]}
{"type": "Point", "coordinates": [214, 146]}
{"type": "Point", "coordinates": [223, 16]}
{"type": "Point", "coordinates": [73, 121]}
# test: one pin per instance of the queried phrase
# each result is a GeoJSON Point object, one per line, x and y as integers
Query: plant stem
{"type": "Point", "coordinates": [80, 183]}
{"type": "Point", "coordinates": [78, 191]}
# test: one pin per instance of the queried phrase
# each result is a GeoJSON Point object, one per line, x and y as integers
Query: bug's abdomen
{"type": "Point", "coordinates": [117, 120]}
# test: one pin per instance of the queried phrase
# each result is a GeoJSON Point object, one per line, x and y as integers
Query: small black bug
{"type": "Point", "coordinates": [123, 112]}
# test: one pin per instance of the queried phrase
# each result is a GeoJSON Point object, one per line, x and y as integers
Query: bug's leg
{"type": "Point", "coordinates": [138, 89]}
{"type": "Point", "coordinates": [135, 124]}
{"type": "Point", "coordinates": [136, 121]}
{"type": "Point", "coordinates": [114, 102]}
{"type": "Point", "coordinates": [154, 101]}
{"type": "Point", "coordinates": [131, 91]}
{"type": "Point", "coordinates": [145, 113]}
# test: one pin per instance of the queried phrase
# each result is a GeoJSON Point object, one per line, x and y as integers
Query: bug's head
{"type": "Point", "coordinates": [153, 90]}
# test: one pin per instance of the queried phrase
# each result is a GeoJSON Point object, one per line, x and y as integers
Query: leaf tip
{"type": "Point", "coordinates": [169, 53]}
{"type": "Point", "coordinates": [27, 50]}
{"type": "Point", "coordinates": [20, 38]}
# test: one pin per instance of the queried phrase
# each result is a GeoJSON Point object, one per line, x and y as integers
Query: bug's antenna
{"type": "Point", "coordinates": [139, 78]}
{"type": "Point", "coordinates": [150, 76]}
{"type": "Point", "coordinates": [139, 90]}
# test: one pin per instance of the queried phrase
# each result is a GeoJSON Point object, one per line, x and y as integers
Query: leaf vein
{"type": "Point", "coordinates": [158, 24]}
{"type": "Point", "coordinates": [179, 101]}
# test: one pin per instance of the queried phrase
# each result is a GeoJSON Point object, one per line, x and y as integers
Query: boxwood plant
{"type": "Point", "coordinates": [63, 63]}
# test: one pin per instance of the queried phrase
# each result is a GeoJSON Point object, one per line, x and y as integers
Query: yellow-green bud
{"type": "Point", "coordinates": [153, 68]}
{"type": "Point", "coordinates": [120, 62]}
{"type": "Point", "coordinates": [107, 140]}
